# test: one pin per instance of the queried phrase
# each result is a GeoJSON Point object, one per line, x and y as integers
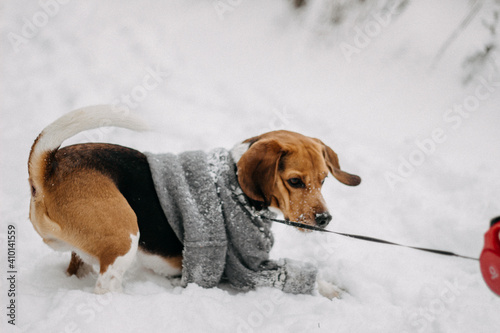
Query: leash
{"type": "Point", "coordinates": [370, 239]}
{"type": "Point", "coordinates": [489, 261]}
{"type": "Point", "coordinates": [241, 197]}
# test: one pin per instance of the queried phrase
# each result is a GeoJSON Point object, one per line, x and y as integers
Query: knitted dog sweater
{"type": "Point", "coordinates": [224, 237]}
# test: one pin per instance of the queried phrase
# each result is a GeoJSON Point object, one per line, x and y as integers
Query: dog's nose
{"type": "Point", "coordinates": [323, 219]}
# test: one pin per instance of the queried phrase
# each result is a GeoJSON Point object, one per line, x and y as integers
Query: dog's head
{"type": "Point", "coordinates": [286, 170]}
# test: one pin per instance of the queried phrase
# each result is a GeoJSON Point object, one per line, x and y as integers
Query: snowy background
{"type": "Point", "coordinates": [407, 96]}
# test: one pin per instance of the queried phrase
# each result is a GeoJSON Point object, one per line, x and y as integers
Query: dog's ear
{"type": "Point", "coordinates": [258, 167]}
{"type": "Point", "coordinates": [332, 161]}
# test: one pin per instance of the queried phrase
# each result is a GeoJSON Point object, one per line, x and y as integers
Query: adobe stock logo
{"type": "Point", "coordinates": [416, 158]}
{"type": "Point", "coordinates": [128, 102]}
{"type": "Point", "coordinates": [438, 305]}
{"type": "Point", "coordinates": [39, 20]}
{"type": "Point", "coordinates": [453, 118]}
{"type": "Point", "coordinates": [263, 309]}
{"type": "Point", "coordinates": [363, 36]}
{"type": "Point", "coordinates": [280, 120]}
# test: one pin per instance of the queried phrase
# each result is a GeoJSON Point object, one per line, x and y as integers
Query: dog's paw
{"type": "Point", "coordinates": [84, 270]}
{"type": "Point", "coordinates": [329, 290]}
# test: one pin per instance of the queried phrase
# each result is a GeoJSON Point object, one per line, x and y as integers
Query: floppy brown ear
{"type": "Point", "coordinates": [332, 161]}
{"type": "Point", "coordinates": [258, 167]}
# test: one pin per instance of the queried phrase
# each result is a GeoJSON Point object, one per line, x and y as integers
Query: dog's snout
{"type": "Point", "coordinates": [323, 219]}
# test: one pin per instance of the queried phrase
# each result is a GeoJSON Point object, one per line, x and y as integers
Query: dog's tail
{"type": "Point", "coordinates": [52, 136]}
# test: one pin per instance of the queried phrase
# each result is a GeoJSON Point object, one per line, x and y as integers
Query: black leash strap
{"type": "Point", "coordinates": [369, 239]}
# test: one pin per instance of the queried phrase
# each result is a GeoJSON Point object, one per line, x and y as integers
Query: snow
{"type": "Point", "coordinates": [208, 79]}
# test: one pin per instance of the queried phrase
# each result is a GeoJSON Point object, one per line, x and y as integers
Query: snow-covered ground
{"type": "Point", "coordinates": [207, 75]}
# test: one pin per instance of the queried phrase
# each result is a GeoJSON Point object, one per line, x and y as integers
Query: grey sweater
{"type": "Point", "coordinates": [224, 237]}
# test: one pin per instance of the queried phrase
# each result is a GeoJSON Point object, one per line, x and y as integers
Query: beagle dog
{"type": "Point", "coordinates": [98, 200]}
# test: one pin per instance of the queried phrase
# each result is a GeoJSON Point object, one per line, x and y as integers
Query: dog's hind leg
{"type": "Point", "coordinates": [113, 268]}
{"type": "Point", "coordinates": [99, 226]}
{"type": "Point", "coordinates": [78, 267]}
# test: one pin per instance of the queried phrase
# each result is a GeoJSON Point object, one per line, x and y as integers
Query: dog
{"type": "Point", "coordinates": [99, 200]}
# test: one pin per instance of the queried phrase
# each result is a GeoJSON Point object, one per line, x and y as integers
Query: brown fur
{"type": "Point", "coordinates": [274, 158]}
{"type": "Point", "coordinates": [81, 209]}
{"type": "Point", "coordinates": [76, 266]}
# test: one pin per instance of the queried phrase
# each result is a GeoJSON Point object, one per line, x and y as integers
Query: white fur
{"type": "Point", "coordinates": [84, 119]}
{"type": "Point", "coordinates": [157, 264]}
{"type": "Point", "coordinates": [58, 245]}
{"type": "Point", "coordinates": [88, 260]}
{"type": "Point", "coordinates": [62, 246]}
{"type": "Point", "coordinates": [238, 150]}
{"type": "Point", "coordinates": [80, 120]}
{"type": "Point", "coordinates": [111, 280]}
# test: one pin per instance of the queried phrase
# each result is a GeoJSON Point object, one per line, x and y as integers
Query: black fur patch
{"type": "Point", "coordinates": [130, 171]}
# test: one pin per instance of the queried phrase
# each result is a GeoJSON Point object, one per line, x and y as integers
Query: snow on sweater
{"type": "Point", "coordinates": [223, 236]}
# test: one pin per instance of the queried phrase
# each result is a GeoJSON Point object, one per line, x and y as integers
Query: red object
{"type": "Point", "coordinates": [490, 257]}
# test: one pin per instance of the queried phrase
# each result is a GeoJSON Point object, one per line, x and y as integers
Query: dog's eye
{"type": "Point", "coordinates": [323, 181]}
{"type": "Point", "coordinates": [295, 182]}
